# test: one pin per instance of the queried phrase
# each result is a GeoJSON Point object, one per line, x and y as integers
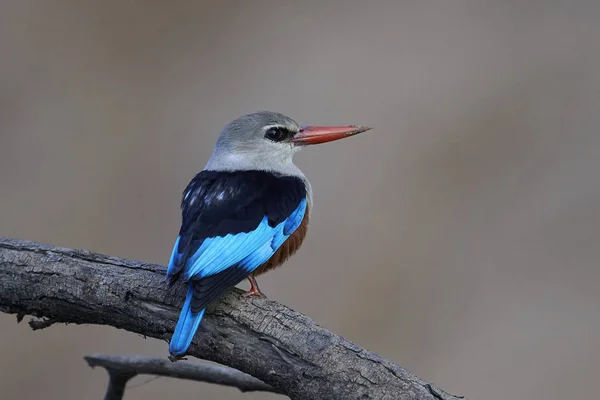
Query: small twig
{"type": "Point", "coordinates": [440, 394]}
{"type": "Point", "coordinates": [20, 317]}
{"type": "Point", "coordinates": [116, 384]}
{"type": "Point", "coordinates": [122, 368]}
{"type": "Point", "coordinates": [37, 324]}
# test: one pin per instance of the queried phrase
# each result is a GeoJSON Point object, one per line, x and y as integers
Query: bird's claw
{"type": "Point", "coordinates": [254, 292]}
{"type": "Point", "coordinates": [174, 358]}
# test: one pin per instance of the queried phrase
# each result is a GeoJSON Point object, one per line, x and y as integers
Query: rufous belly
{"type": "Point", "coordinates": [287, 249]}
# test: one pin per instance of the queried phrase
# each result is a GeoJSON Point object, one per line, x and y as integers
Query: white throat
{"type": "Point", "coordinates": [274, 161]}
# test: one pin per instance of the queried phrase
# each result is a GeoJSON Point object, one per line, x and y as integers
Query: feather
{"type": "Point", "coordinates": [186, 328]}
{"type": "Point", "coordinates": [232, 223]}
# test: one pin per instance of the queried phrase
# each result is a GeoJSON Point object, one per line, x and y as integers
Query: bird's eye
{"type": "Point", "coordinates": [276, 134]}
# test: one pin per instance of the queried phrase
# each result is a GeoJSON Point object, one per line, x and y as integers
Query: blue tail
{"type": "Point", "coordinates": [186, 327]}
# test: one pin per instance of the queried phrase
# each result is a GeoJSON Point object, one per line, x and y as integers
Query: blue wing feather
{"type": "Point", "coordinates": [258, 257]}
{"type": "Point", "coordinates": [295, 219]}
{"type": "Point", "coordinates": [175, 259]}
{"type": "Point", "coordinates": [248, 250]}
{"type": "Point", "coordinates": [186, 328]}
{"type": "Point", "coordinates": [218, 253]}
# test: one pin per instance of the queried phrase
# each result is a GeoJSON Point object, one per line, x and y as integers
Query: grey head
{"type": "Point", "coordinates": [258, 141]}
{"type": "Point", "coordinates": [267, 141]}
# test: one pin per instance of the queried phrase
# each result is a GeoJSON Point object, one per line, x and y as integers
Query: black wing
{"type": "Point", "coordinates": [217, 203]}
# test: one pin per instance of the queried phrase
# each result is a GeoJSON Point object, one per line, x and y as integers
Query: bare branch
{"type": "Point", "coordinates": [126, 367]}
{"type": "Point", "coordinates": [265, 339]}
{"type": "Point", "coordinates": [116, 384]}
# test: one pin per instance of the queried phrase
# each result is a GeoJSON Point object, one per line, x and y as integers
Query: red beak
{"type": "Point", "coordinates": [322, 134]}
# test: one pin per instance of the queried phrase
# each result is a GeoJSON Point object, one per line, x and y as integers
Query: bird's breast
{"type": "Point", "coordinates": [287, 249]}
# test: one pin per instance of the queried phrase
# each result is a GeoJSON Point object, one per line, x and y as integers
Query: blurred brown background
{"type": "Point", "coordinates": [458, 239]}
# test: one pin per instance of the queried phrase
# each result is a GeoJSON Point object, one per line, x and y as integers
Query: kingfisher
{"type": "Point", "coordinates": [244, 214]}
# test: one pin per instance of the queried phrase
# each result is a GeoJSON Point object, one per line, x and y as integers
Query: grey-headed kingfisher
{"type": "Point", "coordinates": [245, 213]}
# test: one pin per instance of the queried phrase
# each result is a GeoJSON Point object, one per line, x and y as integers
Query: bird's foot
{"type": "Point", "coordinates": [254, 290]}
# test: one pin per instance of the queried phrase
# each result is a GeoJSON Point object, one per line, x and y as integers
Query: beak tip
{"type": "Point", "coordinates": [360, 129]}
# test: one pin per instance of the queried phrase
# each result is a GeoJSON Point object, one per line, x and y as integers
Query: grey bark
{"type": "Point", "coordinates": [260, 337]}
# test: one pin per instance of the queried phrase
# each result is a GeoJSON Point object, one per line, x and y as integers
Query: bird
{"type": "Point", "coordinates": [244, 214]}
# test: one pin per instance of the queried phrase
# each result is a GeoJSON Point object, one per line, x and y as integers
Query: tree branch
{"type": "Point", "coordinates": [122, 368]}
{"type": "Point", "coordinates": [265, 339]}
